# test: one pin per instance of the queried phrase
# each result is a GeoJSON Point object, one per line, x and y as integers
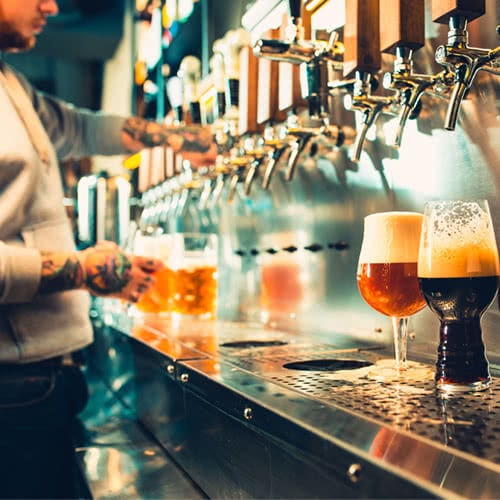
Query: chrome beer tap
{"type": "Point", "coordinates": [462, 61]}
{"type": "Point", "coordinates": [410, 87]}
{"type": "Point", "coordinates": [237, 167]}
{"type": "Point", "coordinates": [316, 58]}
{"type": "Point", "coordinates": [258, 151]}
{"type": "Point", "coordinates": [362, 62]}
{"type": "Point", "coordinates": [368, 105]}
{"type": "Point", "coordinates": [401, 36]}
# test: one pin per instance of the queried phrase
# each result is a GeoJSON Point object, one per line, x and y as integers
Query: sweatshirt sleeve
{"type": "Point", "coordinates": [77, 132]}
{"type": "Point", "coordinates": [20, 273]}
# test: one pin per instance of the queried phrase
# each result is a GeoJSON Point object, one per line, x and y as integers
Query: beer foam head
{"type": "Point", "coordinates": [457, 241]}
{"type": "Point", "coordinates": [391, 237]}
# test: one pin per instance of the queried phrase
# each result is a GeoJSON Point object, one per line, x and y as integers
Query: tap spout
{"type": "Point", "coordinates": [296, 148]}
{"type": "Point", "coordinates": [283, 51]}
{"type": "Point", "coordinates": [274, 159]}
{"type": "Point", "coordinates": [463, 62]}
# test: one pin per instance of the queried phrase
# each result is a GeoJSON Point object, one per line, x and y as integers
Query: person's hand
{"type": "Point", "coordinates": [194, 142]}
{"type": "Point", "coordinates": [109, 272]}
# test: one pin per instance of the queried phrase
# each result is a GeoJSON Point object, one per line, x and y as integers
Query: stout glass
{"type": "Point", "coordinates": [387, 271]}
{"type": "Point", "coordinates": [458, 275]}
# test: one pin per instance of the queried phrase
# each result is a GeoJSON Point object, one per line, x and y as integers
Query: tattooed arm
{"type": "Point", "coordinates": [194, 142]}
{"type": "Point", "coordinates": [104, 270]}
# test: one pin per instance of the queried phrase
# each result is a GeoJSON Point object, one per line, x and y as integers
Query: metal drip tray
{"type": "Point", "coordinates": [353, 380]}
{"type": "Point", "coordinates": [469, 423]}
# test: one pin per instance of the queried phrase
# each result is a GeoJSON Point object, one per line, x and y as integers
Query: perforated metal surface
{"type": "Point", "coordinates": [469, 423]}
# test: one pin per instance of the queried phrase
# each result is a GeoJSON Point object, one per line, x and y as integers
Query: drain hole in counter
{"type": "Point", "coordinates": [327, 365]}
{"type": "Point", "coordinates": [246, 344]}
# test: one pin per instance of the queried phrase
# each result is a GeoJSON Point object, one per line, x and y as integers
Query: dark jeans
{"type": "Point", "coordinates": [38, 407]}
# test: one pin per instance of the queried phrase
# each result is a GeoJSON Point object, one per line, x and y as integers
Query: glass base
{"type": "Point", "coordinates": [457, 388]}
{"type": "Point", "coordinates": [385, 371]}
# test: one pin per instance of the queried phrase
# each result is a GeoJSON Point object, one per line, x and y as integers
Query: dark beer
{"type": "Point", "coordinates": [459, 304]}
{"type": "Point", "coordinates": [458, 272]}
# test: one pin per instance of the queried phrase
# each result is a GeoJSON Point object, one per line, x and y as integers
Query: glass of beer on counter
{"type": "Point", "coordinates": [156, 299]}
{"type": "Point", "coordinates": [387, 273]}
{"type": "Point", "coordinates": [458, 272]}
{"type": "Point", "coordinates": [193, 275]}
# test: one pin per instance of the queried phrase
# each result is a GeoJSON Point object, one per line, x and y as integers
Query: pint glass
{"type": "Point", "coordinates": [387, 272]}
{"type": "Point", "coordinates": [458, 274]}
{"type": "Point", "coordinates": [156, 300]}
{"type": "Point", "coordinates": [193, 278]}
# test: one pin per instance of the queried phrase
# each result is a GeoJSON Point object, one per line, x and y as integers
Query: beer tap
{"type": "Point", "coordinates": [402, 35]}
{"type": "Point", "coordinates": [258, 150]}
{"type": "Point", "coordinates": [314, 128]}
{"type": "Point", "coordinates": [233, 42]}
{"type": "Point", "coordinates": [217, 69]}
{"type": "Point", "coordinates": [278, 147]}
{"type": "Point", "coordinates": [175, 94]}
{"type": "Point", "coordinates": [363, 60]}
{"type": "Point", "coordinates": [462, 61]}
{"type": "Point", "coordinates": [316, 58]}
{"type": "Point", "coordinates": [190, 74]}
{"type": "Point", "coordinates": [238, 164]}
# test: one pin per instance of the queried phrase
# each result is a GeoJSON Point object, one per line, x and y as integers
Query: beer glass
{"type": "Point", "coordinates": [458, 274]}
{"type": "Point", "coordinates": [156, 300]}
{"type": "Point", "coordinates": [193, 277]}
{"type": "Point", "coordinates": [387, 273]}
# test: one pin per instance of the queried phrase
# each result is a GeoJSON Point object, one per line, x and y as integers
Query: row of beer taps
{"type": "Point", "coordinates": [245, 157]}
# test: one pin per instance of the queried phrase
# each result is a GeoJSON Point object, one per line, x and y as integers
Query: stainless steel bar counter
{"type": "Point", "coordinates": [249, 412]}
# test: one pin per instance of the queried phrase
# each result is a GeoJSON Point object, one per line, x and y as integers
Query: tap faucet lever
{"type": "Point", "coordinates": [456, 56]}
{"type": "Point", "coordinates": [401, 35]}
{"type": "Point", "coordinates": [370, 106]}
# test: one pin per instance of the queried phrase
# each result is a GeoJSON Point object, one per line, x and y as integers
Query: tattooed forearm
{"type": "Point", "coordinates": [108, 274]}
{"type": "Point", "coordinates": [151, 134]}
{"type": "Point", "coordinates": [60, 272]}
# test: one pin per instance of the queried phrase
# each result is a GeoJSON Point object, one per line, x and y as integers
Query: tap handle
{"type": "Point", "coordinates": [295, 8]}
{"type": "Point", "coordinates": [405, 27]}
{"type": "Point", "coordinates": [443, 10]}
{"type": "Point", "coordinates": [361, 37]}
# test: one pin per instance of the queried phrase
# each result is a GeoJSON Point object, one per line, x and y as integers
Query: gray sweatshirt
{"type": "Point", "coordinates": [35, 132]}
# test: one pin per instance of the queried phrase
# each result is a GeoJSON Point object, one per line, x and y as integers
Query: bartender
{"type": "Point", "coordinates": [44, 282]}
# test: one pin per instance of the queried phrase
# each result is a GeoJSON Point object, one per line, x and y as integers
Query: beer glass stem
{"type": "Point", "coordinates": [400, 332]}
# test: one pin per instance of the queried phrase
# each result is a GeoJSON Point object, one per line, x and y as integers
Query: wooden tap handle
{"type": "Point", "coordinates": [361, 37]}
{"type": "Point", "coordinates": [268, 86]}
{"type": "Point", "coordinates": [405, 27]}
{"type": "Point", "coordinates": [249, 75]}
{"type": "Point", "coordinates": [295, 7]}
{"type": "Point", "coordinates": [442, 10]}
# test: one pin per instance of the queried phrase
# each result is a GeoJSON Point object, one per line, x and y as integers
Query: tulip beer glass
{"type": "Point", "coordinates": [458, 273]}
{"type": "Point", "coordinates": [387, 272]}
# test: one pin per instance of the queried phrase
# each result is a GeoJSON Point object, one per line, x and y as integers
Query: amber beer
{"type": "Point", "coordinates": [387, 273]}
{"type": "Point", "coordinates": [458, 274]}
{"type": "Point", "coordinates": [193, 280]}
{"type": "Point", "coordinates": [193, 290]}
{"type": "Point", "coordinates": [391, 288]}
